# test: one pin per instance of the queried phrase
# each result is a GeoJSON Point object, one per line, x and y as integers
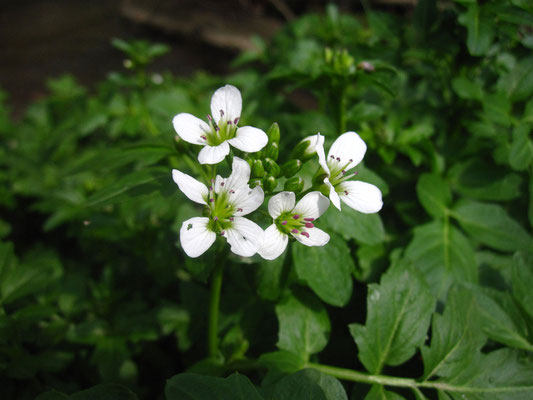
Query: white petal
{"type": "Point", "coordinates": [312, 205]}
{"type": "Point", "coordinates": [312, 143]}
{"type": "Point", "coordinates": [280, 203]}
{"type": "Point", "coordinates": [363, 197]}
{"type": "Point", "coordinates": [249, 139]}
{"type": "Point", "coordinates": [273, 244]}
{"type": "Point", "coordinates": [317, 237]}
{"type": "Point", "coordinates": [244, 237]}
{"type": "Point", "coordinates": [240, 174]}
{"type": "Point", "coordinates": [333, 196]}
{"type": "Point", "coordinates": [190, 128]}
{"type": "Point", "coordinates": [213, 154]}
{"type": "Point", "coordinates": [319, 147]}
{"type": "Point", "coordinates": [193, 189]}
{"type": "Point", "coordinates": [348, 146]}
{"type": "Point", "coordinates": [195, 238]}
{"type": "Point", "coordinates": [228, 99]}
{"type": "Point", "coordinates": [247, 200]}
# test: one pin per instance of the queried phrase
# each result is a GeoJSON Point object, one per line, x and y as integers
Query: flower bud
{"type": "Point", "coordinates": [290, 168]}
{"type": "Point", "coordinates": [271, 151]}
{"type": "Point", "coordinates": [305, 149]}
{"type": "Point", "coordinates": [295, 184]}
{"type": "Point", "coordinates": [257, 169]}
{"type": "Point", "coordinates": [273, 133]}
{"type": "Point", "coordinates": [270, 184]}
{"type": "Point", "coordinates": [256, 182]}
{"type": "Point", "coordinates": [271, 167]}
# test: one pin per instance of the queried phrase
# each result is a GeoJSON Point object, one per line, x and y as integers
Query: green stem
{"type": "Point", "coordinates": [214, 305]}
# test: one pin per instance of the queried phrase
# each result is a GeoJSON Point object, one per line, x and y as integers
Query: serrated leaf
{"type": "Point", "coordinates": [443, 255]}
{"type": "Point", "coordinates": [326, 270]}
{"type": "Point", "coordinates": [200, 387]}
{"type": "Point", "coordinates": [518, 83]}
{"type": "Point", "coordinates": [492, 226]}
{"type": "Point", "coordinates": [434, 194]}
{"type": "Point", "coordinates": [398, 316]}
{"type": "Point", "coordinates": [480, 32]}
{"type": "Point", "coordinates": [521, 152]}
{"type": "Point", "coordinates": [522, 276]}
{"type": "Point", "coordinates": [500, 375]}
{"type": "Point", "coordinates": [108, 391]}
{"type": "Point", "coordinates": [351, 224]}
{"type": "Point", "coordinates": [309, 384]}
{"type": "Point", "coordinates": [501, 320]}
{"type": "Point", "coordinates": [455, 336]}
{"type": "Point", "coordinates": [303, 324]}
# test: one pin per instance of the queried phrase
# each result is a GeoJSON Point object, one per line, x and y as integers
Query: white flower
{"type": "Point", "coordinates": [221, 129]}
{"type": "Point", "coordinates": [293, 220]}
{"type": "Point", "coordinates": [345, 153]}
{"type": "Point", "coordinates": [227, 200]}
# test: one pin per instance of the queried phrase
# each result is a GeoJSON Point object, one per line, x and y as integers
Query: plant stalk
{"type": "Point", "coordinates": [214, 305]}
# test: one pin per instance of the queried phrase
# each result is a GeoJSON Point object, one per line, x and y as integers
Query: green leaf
{"type": "Point", "coordinates": [527, 117]}
{"type": "Point", "coordinates": [518, 83]}
{"type": "Point", "coordinates": [500, 375]}
{"type": "Point", "coordinates": [309, 384]}
{"type": "Point", "coordinates": [480, 32]}
{"type": "Point", "coordinates": [501, 319]}
{"type": "Point", "coordinates": [303, 324]}
{"type": "Point", "coordinates": [326, 270]}
{"type": "Point", "coordinates": [378, 392]}
{"type": "Point", "coordinates": [398, 316]}
{"type": "Point", "coordinates": [455, 336]}
{"type": "Point", "coordinates": [522, 276]}
{"type": "Point", "coordinates": [351, 224]}
{"type": "Point", "coordinates": [443, 255]}
{"type": "Point", "coordinates": [467, 88]}
{"type": "Point", "coordinates": [282, 361]}
{"type": "Point", "coordinates": [434, 194]}
{"type": "Point", "coordinates": [200, 387]}
{"type": "Point", "coordinates": [497, 108]}
{"type": "Point", "coordinates": [363, 112]}
{"type": "Point", "coordinates": [484, 181]}
{"type": "Point", "coordinates": [521, 152]}
{"type": "Point", "coordinates": [270, 277]}
{"type": "Point", "coordinates": [109, 391]}
{"type": "Point", "coordinates": [492, 226]}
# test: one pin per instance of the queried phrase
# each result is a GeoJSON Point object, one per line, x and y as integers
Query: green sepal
{"type": "Point", "coordinates": [291, 168]}
{"type": "Point", "coordinates": [272, 167]}
{"type": "Point", "coordinates": [258, 170]}
{"type": "Point", "coordinates": [270, 183]}
{"type": "Point", "coordinates": [273, 133]}
{"type": "Point", "coordinates": [271, 151]}
{"type": "Point", "coordinates": [295, 184]}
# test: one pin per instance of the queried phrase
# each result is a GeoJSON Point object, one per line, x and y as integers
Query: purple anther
{"type": "Point", "coordinates": [355, 173]}
{"type": "Point", "coordinates": [283, 222]}
{"type": "Point", "coordinates": [309, 219]}
{"type": "Point", "coordinates": [305, 234]}
{"type": "Point", "coordinates": [221, 113]}
{"type": "Point", "coordinates": [232, 191]}
{"type": "Point", "coordinates": [332, 157]}
{"type": "Point", "coordinates": [338, 159]}
{"type": "Point", "coordinates": [229, 122]}
{"type": "Point", "coordinates": [217, 128]}
{"type": "Point", "coordinates": [222, 233]}
{"type": "Point", "coordinates": [204, 137]}
{"type": "Point", "coordinates": [231, 219]}
{"type": "Point", "coordinates": [296, 216]}
{"type": "Point", "coordinates": [309, 225]}
{"type": "Point", "coordinates": [211, 200]}
{"type": "Point", "coordinates": [210, 187]}
{"type": "Point", "coordinates": [215, 218]}
{"type": "Point", "coordinates": [239, 209]}
{"type": "Point", "coordinates": [350, 160]}
{"type": "Point", "coordinates": [343, 172]}
{"type": "Point", "coordinates": [210, 119]}
{"type": "Point", "coordinates": [222, 183]}
{"type": "Point", "coordinates": [346, 192]}
{"type": "Point", "coordinates": [294, 230]}
{"type": "Point", "coordinates": [236, 121]}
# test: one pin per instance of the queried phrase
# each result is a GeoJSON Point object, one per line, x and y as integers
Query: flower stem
{"type": "Point", "coordinates": [214, 305]}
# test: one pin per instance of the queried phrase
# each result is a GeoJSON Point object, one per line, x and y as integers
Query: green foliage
{"type": "Point", "coordinates": [95, 290]}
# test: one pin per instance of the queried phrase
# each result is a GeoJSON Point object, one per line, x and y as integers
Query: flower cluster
{"type": "Point", "coordinates": [228, 200]}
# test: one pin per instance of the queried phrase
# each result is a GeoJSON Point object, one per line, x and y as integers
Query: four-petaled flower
{"type": "Point", "coordinates": [227, 200]}
{"type": "Point", "coordinates": [297, 221]}
{"type": "Point", "coordinates": [345, 153]}
{"type": "Point", "coordinates": [221, 129]}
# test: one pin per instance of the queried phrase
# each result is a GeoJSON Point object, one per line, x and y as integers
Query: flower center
{"type": "Point", "coordinates": [338, 170]}
{"type": "Point", "coordinates": [219, 133]}
{"type": "Point", "coordinates": [289, 222]}
{"type": "Point", "coordinates": [220, 208]}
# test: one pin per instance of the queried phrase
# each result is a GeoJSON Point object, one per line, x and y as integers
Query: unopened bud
{"type": "Point", "coordinates": [295, 184]}
{"type": "Point", "coordinates": [271, 151]}
{"type": "Point", "coordinates": [270, 183]}
{"type": "Point", "coordinates": [272, 167]}
{"type": "Point", "coordinates": [291, 168]}
{"type": "Point", "coordinates": [305, 149]}
{"type": "Point", "coordinates": [273, 133]}
{"type": "Point", "coordinates": [258, 171]}
{"type": "Point", "coordinates": [256, 182]}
